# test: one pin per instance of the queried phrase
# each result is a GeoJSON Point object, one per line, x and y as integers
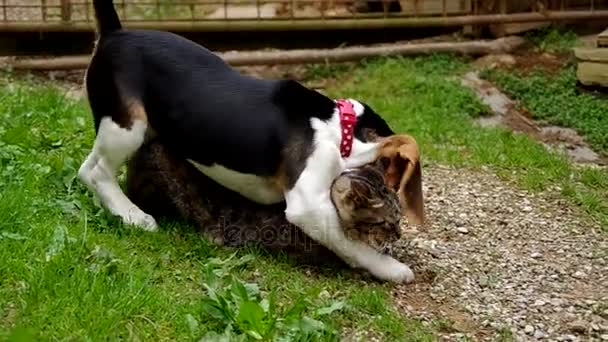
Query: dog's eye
{"type": "Point", "coordinates": [385, 162]}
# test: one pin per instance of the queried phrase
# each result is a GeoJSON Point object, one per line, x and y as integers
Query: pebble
{"type": "Point", "coordinates": [462, 230]}
{"type": "Point", "coordinates": [459, 223]}
{"type": "Point", "coordinates": [539, 334]}
{"type": "Point", "coordinates": [579, 275]}
{"type": "Point", "coordinates": [535, 255]}
{"type": "Point", "coordinates": [604, 337]}
{"type": "Point", "coordinates": [483, 281]}
{"type": "Point", "coordinates": [539, 302]}
{"type": "Point", "coordinates": [529, 329]}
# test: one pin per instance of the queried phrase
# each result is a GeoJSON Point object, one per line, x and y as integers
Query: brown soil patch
{"type": "Point", "coordinates": [528, 61]}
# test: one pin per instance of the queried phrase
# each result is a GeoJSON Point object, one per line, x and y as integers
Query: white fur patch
{"type": "Point", "coordinates": [357, 107]}
{"type": "Point", "coordinates": [258, 189]}
{"type": "Point", "coordinates": [113, 146]}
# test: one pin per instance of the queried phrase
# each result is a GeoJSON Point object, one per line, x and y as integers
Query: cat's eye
{"type": "Point", "coordinates": [374, 220]}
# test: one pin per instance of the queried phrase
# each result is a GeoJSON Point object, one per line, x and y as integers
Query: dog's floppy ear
{"type": "Point", "coordinates": [410, 187]}
{"type": "Point", "coordinates": [403, 173]}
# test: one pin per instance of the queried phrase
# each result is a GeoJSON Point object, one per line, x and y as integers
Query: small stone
{"type": "Point", "coordinates": [462, 230]}
{"type": "Point", "coordinates": [527, 209]}
{"type": "Point", "coordinates": [579, 327]}
{"type": "Point", "coordinates": [324, 294]}
{"type": "Point", "coordinates": [483, 281]}
{"type": "Point", "coordinates": [604, 337]}
{"type": "Point", "coordinates": [579, 275]}
{"type": "Point", "coordinates": [539, 334]}
{"type": "Point", "coordinates": [529, 329]}
{"type": "Point", "coordinates": [539, 302]}
{"type": "Point", "coordinates": [535, 255]}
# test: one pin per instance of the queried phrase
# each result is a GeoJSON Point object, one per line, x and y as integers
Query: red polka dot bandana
{"type": "Point", "coordinates": [348, 120]}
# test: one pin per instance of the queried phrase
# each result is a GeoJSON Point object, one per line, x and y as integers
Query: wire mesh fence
{"type": "Point", "coordinates": [197, 11]}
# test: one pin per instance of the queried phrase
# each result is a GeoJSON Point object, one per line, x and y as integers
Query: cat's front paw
{"type": "Point", "coordinates": [394, 271]}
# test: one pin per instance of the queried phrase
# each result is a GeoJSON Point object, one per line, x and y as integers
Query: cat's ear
{"type": "Point", "coordinates": [360, 194]}
{"type": "Point", "coordinates": [341, 192]}
{"type": "Point", "coordinates": [410, 186]}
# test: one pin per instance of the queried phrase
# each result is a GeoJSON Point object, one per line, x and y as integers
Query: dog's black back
{"type": "Point", "coordinates": [195, 101]}
{"type": "Point", "coordinates": [198, 105]}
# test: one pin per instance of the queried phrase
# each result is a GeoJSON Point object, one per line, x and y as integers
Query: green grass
{"type": "Point", "coordinates": [556, 100]}
{"type": "Point", "coordinates": [553, 39]}
{"type": "Point", "coordinates": [69, 271]}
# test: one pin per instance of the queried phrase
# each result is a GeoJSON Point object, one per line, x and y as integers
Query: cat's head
{"type": "Point", "coordinates": [369, 211]}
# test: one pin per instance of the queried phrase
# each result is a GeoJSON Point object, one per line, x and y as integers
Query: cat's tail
{"type": "Point", "coordinates": [106, 16]}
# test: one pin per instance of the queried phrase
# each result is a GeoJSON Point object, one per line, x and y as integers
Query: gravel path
{"type": "Point", "coordinates": [499, 262]}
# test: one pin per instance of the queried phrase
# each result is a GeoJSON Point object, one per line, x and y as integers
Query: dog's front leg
{"type": "Point", "coordinates": [310, 208]}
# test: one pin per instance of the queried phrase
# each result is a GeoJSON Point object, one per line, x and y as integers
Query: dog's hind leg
{"type": "Point", "coordinates": [113, 145]}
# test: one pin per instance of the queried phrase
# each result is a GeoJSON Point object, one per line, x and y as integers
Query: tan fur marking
{"type": "Point", "coordinates": [136, 111]}
{"type": "Point", "coordinates": [280, 178]}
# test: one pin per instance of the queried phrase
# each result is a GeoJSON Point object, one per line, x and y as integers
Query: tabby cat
{"type": "Point", "coordinates": [164, 185]}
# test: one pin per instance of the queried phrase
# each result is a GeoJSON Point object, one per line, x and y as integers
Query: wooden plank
{"type": "Point", "coordinates": [599, 55]}
{"type": "Point", "coordinates": [591, 73]}
{"type": "Point", "coordinates": [503, 30]}
{"type": "Point", "coordinates": [427, 7]}
{"type": "Point", "coordinates": [602, 39]}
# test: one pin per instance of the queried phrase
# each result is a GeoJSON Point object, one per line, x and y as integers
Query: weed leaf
{"type": "Point", "coordinates": [57, 242]}
{"type": "Point", "coordinates": [192, 324]}
{"type": "Point", "coordinates": [251, 316]}
{"type": "Point", "coordinates": [336, 306]}
{"type": "Point", "coordinates": [11, 236]}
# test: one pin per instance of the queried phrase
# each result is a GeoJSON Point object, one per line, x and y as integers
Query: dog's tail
{"type": "Point", "coordinates": [107, 18]}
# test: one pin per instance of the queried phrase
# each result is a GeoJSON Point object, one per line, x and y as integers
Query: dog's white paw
{"type": "Point", "coordinates": [394, 271]}
{"type": "Point", "coordinates": [142, 220]}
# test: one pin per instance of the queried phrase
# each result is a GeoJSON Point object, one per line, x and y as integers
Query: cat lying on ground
{"type": "Point", "coordinates": [166, 186]}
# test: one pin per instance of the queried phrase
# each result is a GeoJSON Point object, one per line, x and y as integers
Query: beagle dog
{"type": "Point", "coordinates": [269, 140]}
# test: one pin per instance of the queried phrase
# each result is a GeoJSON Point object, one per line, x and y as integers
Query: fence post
{"type": "Point", "coordinates": [66, 10]}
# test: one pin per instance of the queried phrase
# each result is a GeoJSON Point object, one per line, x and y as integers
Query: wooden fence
{"type": "Point", "coordinates": [286, 15]}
